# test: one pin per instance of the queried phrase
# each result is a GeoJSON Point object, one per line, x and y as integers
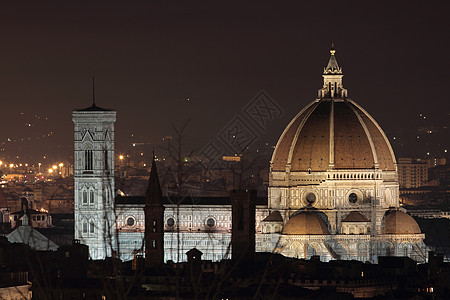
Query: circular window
{"type": "Point", "coordinates": [170, 222]}
{"type": "Point", "coordinates": [352, 198]}
{"type": "Point", "coordinates": [130, 221]}
{"type": "Point", "coordinates": [310, 198]}
{"type": "Point", "coordinates": [210, 223]}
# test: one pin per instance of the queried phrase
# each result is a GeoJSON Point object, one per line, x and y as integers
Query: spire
{"type": "Point", "coordinates": [332, 67]}
{"type": "Point", "coordinates": [154, 193]}
{"type": "Point", "coordinates": [332, 79]}
{"type": "Point", "coordinates": [154, 221]}
{"type": "Point", "coordinates": [93, 92]}
{"type": "Point", "coordinates": [94, 106]}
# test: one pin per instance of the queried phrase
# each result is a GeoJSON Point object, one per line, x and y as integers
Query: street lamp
{"type": "Point", "coordinates": [121, 165]}
{"type": "Point", "coordinates": [60, 168]}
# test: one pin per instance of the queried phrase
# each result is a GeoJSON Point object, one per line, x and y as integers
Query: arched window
{"type": "Point", "coordinates": [85, 200]}
{"type": "Point", "coordinates": [85, 227]}
{"type": "Point", "coordinates": [344, 229]}
{"type": "Point", "coordinates": [106, 160]}
{"type": "Point", "coordinates": [88, 160]}
{"type": "Point", "coordinates": [351, 230]}
{"type": "Point", "coordinates": [92, 227]}
{"type": "Point", "coordinates": [92, 197]}
{"type": "Point", "coordinates": [405, 250]}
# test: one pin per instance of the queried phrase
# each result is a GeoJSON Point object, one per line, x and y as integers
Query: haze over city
{"type": "Point", "coordinates": [160, 64]}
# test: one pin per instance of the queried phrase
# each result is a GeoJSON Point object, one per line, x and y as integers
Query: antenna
{"type": "Point", "coordinates": [93, 91]}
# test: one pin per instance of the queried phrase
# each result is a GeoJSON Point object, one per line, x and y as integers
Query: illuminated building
{"type": "Point", "coordinates": [333, 187]}
{"type": "Point", "coordinates": [412, 173]}
{"type": "Point", "coordinates": [94, 179]}
{"type": "Point", "coordinates": [333, 191]}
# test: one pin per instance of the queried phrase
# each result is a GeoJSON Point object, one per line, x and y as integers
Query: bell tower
{"type": "Point", "coordinates": [154, 221]}
{"type": "Point", "coordinates": [94, 179]}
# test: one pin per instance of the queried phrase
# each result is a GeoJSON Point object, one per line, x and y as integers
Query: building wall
{"type": "Point", "coordinates": [16, 292]}
{"type": "Point", "coordinates": [94, 180]}
{"type": "Point", "coordinates": [353, 247]}
{"type": "Point", "coordinates": [412, 173]}
{"type": "Point", "coordinates": [208, 228]}
{"type": "Point", "coordinates": [375, 191]}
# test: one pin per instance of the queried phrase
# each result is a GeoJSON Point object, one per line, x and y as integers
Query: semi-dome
{"type": "Point", "coordinates": [307, 222]}
{"type": "Point", "coordinates": [332, 132]}
{"type": "Point", "coordinates": [398, 222]}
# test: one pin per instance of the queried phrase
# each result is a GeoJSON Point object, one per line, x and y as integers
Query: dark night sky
{"type": "Point", "coordinates": [148, 58]}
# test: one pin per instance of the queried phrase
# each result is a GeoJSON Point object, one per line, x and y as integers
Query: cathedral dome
{"type": "Point", "coordinates": [398, 222]}
{"type": "Point", "coordinates": [332, 132]}
{"type": "Point", "coordinates": [309, 223]}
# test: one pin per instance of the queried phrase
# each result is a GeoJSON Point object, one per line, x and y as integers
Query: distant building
{"type": "Point", "coordinates": [412, 173]}
{"type": "Point", "coordinates": [441, 174]}
{"type": "Point", "coordinates": [429, 213]}
{"type": "Point", "coordinates": [26, 234]}
{"type": "Point", "coordinates": [37, 218]}
{"type": "Point", "coordinates": [433, 162]}
{"type": "Point", "coordinates": [232, 158]}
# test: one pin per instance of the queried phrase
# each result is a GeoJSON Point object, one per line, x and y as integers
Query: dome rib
{"type": "Point", "coordinates": [278, 162]}
{"type": "Point", "coordinates": [351, 144]}
{"type": "Point", "coordinates": [297, 133]}
{"type": "Point", "coordinates": [369, 137]}
{"type": "Point", "coordinates": [384, 164]}
{"type": "Point", "coordinates": [311, 150]}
